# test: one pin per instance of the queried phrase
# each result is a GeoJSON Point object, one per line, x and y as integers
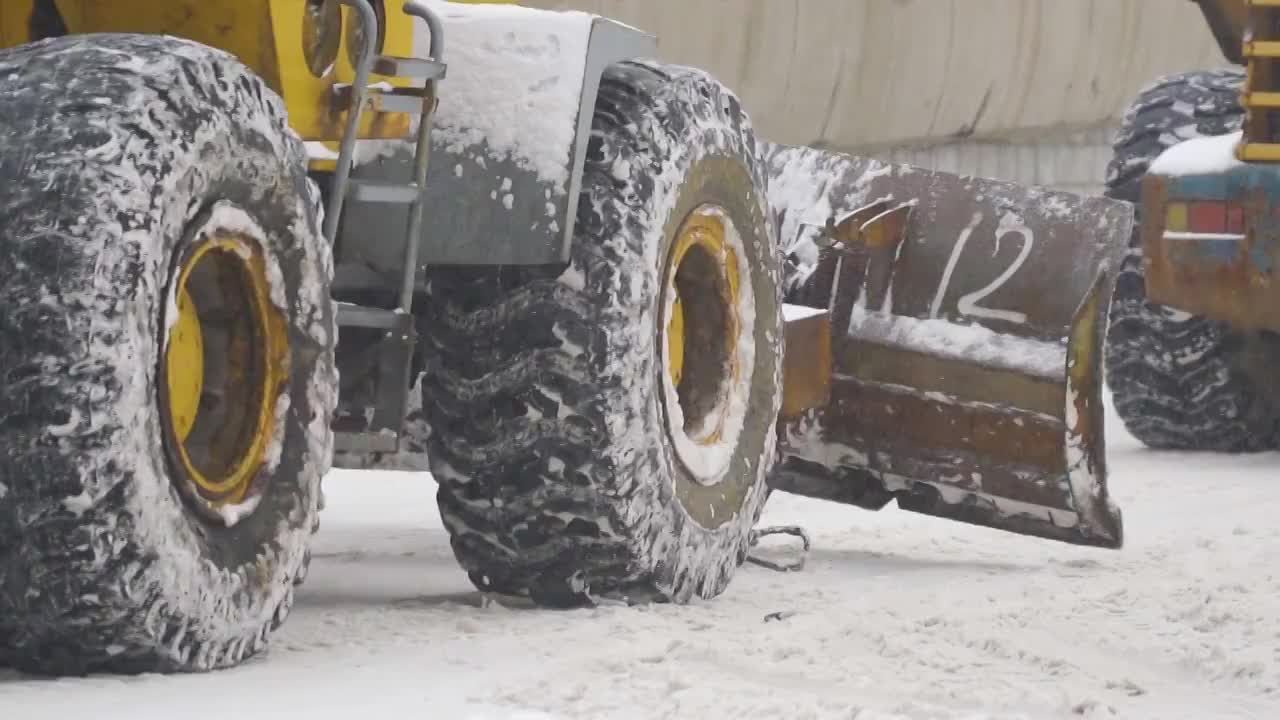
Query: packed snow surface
{"type": "Point", "coordinates": [895, 617]}
{"type": "Point", "coordinates": [1199, 156]}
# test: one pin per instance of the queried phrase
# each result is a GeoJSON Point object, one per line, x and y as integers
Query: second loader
{"type": "Point", "coordinates": [232, 234]}
{"type": "Point", "coordinates": [1194, 351]}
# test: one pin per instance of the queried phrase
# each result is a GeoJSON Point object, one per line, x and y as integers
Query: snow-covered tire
{"type": "Point", "coordinates": [545, 390]}
{"type": "Point", "coordinates": [1181, 381]}
{"type": "Point", "coordinates": [118, 154]}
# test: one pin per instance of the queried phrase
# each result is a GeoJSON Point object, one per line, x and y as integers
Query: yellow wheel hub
{"type": "Point", "coordinates": [185, 365]}
{"type": "Point", "coordinates": [675, 340]}
{"type": "Point", "coordinates": [226, 359]}
{"type": "Point", "coordinates": [702, 325]}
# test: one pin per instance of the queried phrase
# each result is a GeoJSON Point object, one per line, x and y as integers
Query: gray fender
{"type": "Point", "coordinates": [509, 143]}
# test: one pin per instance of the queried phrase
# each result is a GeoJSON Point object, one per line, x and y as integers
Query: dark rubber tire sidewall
{"type": "Point", "coordinates": [587, 507]}
{"type": "Point", "coordinates": [102, 564]}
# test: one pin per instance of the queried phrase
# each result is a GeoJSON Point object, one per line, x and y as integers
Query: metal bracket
{"type": "Point", "coordinates": [794, 530]}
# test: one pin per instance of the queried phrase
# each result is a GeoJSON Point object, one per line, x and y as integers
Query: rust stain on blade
{"type": "Point", "coordinates": [943, 426]}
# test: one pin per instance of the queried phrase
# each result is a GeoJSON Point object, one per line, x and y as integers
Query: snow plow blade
{"type": "Point", "coordinates": [944, 344]}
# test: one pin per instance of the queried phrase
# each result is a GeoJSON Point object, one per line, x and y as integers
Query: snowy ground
{"type": "Point", "coordinates": [896, 616]}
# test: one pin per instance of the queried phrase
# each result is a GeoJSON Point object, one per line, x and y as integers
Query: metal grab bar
{"type": "Point", "coordinates": [419, 9]}
{"type": "Point", "coordinates": [422, 153]}
{"type": "Point", "coordinates": [359, 93]}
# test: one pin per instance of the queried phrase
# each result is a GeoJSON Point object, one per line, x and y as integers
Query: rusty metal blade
{"type": "Point", "coordinates": [962, 325]}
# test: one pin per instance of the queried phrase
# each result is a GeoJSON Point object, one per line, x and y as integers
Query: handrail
{"type": "Point", "coordinates": [419, 9]}
{"type": "Point", "coordinates": [359, 91]}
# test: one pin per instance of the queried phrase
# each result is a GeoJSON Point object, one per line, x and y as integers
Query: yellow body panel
{"type": "Point", "coordinates": [231, 25]}
{"type": "Point", "coordinates": [14, 16]}
{"type": "Point", "coordinates": [185, 363]}
{"type": "Point", "coordinates": [266, 35]}
{"type": "Point", "coordinates": [308, 97]}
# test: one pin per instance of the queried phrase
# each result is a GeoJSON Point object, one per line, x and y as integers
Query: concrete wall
{"type": "Point", "coordinates": [859, 73]}
{"type": "Point", "coordinates": [1067, 160]}
{"type": "Point", "coordinates": [1023, 89]}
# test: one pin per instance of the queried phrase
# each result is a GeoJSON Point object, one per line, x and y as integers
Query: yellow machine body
{"type": "Point", "coordinates": [268, 36]}
{"type": "Point", "coordinates": [1002, 431]}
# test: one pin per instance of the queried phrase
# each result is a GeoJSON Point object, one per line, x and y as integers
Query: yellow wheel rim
{"type": "Point", "coordinates": [702, 325]}
{"type": "Point", "coordinates": [675, 340]}
{"type": "Point", "coordinates": [226, 359]}
{"type": "Point", "coordinates": [185, 365]}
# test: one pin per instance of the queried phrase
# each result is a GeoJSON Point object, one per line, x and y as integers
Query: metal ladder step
{"type": "Point", "coordinates": [409, 101]}
{"type": "Point", "coordinates": [1261, 94]}
{"type": "Point", "coordinates": [1262, 49]}
{"type": "Point", "coordinates": [386, 99]}
{"type": "Point", "coordinates": [1260, 152]}
{"type": "Point", "coordinates": [352, 315]}
{"type": "Point", "coordinates": [1262, 99]}
{"type": "Point", "coordinates": [384, 192]}
{"type": "Point", "coordinates": [420, 68]}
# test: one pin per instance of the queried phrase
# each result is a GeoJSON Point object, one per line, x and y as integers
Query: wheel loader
{"type": "Point", "coordinates": [236, 236]}
{"type": "Point", "coordinates": [1194, 343]}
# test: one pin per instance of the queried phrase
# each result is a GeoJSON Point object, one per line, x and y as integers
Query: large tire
{"type": "Point", "coordinates": [119, 155]}
{"type": "Point", "coordinates": [1180, 381]}
{"type": "Point", "coordinates": [544, 391]}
